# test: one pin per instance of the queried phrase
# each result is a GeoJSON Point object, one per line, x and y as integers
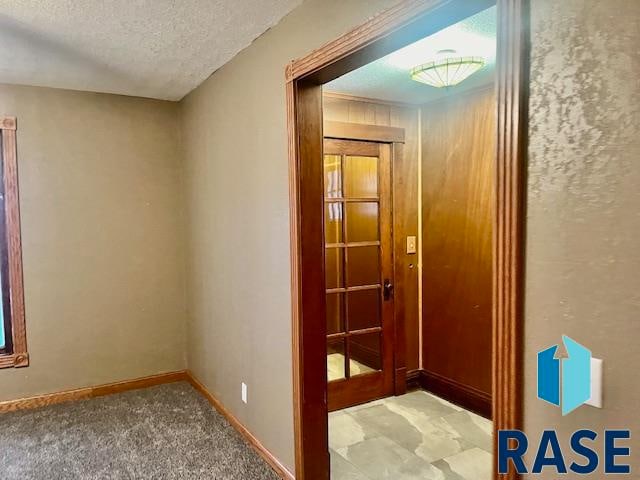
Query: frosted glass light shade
{"type": "Point", "coordinates": [447, 72]}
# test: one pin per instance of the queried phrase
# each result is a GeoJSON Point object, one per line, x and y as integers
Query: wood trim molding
{"type": "Point", "coordinates": [377, 101]}
{"type": "Point", "coordinates": [375, 29]}
{"type": "Point", "coordinates": [19, 356]}
{"type": "Point", "coordinates": [359, 131]}
{"type": "Point", "coordinates": [304, 126]}
{"type": "Point", "coordinates": [296, 298]}
{"type": "Point", "coordinates": [406, 22]}
{"type": "Point", "coordinates": [8, 123]}
{"type": "Point", "coordinates": [509, 217]}
{"type": "Point", "coordinates": [275, 464]}
{"type": "Point", "coordinates": [91, 392]}
{"type": "Point", "coordinates": [14, 360]}
{"type": "Point", "coordinates": [414, 379]}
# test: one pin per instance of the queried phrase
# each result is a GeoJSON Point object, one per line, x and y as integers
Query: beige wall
{"type": "Point", "coordinates": [100, 201]}
{"type": "Point", "coordinates": [583, 255]}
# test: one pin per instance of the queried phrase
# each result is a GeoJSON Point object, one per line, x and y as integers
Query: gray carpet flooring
{"type": "Point", "coordinates": [164, 432]}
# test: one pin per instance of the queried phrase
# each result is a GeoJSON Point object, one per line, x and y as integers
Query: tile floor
{"type": "Point", "coordinates": [414, 436]}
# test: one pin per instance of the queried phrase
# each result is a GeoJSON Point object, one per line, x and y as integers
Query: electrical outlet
{"type": "Point", "coordinates": [244, 392]}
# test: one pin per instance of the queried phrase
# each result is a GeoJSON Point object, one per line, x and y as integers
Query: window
{"type": "Point", "coordinates": [13, 341]}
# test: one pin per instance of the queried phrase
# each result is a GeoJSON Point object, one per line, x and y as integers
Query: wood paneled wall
{"type": "Point", "coordinates": [458, 150]}
{"type": "Point", "coordinates": [405, 204]}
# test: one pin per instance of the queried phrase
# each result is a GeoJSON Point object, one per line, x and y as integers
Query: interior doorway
{"type": "Point", "coordinates": [333, 367]}
{"type": "Point", "coordinates": [439, 220]}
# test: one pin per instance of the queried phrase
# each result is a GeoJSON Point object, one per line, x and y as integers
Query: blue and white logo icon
{"type": "Point", "coordinates": [565, 382]}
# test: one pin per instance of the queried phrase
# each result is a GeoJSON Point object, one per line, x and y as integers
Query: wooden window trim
{"type": "Point", "coordinates": [408, 21]}
{"type": "Point", "coordinates": [18, 357]}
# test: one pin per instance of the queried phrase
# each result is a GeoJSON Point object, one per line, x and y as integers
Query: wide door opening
{"type": "Point", "coordinates": [406, 238]}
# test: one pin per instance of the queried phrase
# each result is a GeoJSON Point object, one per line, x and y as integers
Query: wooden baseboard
{"type": "Point", "coordinates": [455, 392]}
{"type": "Point", "coordinates": [91, 392]}
{"type": "Point", "coordinates": [413, 379]}
{"type": "Point", "coordinates": [458, 393]}
{"type": "Point", "coordinates": [277, 466]}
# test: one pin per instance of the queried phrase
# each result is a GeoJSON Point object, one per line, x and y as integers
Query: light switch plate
{"type": "Point", "coordinates": [411, 245]}
{"type": "Point", "coordinates": [596, 383]}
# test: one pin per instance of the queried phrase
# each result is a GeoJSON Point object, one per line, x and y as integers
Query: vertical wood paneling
{"type": "Point", "coordinates": [458, 151]}
{"type": "Point", "coordinates": [405, 204]}
{"type": "Point", "coordinates": [382, 115]}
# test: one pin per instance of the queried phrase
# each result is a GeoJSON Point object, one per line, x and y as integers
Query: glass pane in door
{"type": "Point", "coordinates": [360, 177]}
{"type": "Point", "coordinates": [336, 359]}
{"type": "Point", "coordinates": [333, 176]}
{"type": "Point", "coordinates": [364, 309]}
{"type": "Point", "coordinates": [333, 222]}
{"type": "Point", "coordinates": [362, 222]}
{"type": "Point", "coordinates": [363, 266]}
{"type": "Point", "coordinates": [365, 353]}
{"type": "Point", "coordinates": [335, 313]}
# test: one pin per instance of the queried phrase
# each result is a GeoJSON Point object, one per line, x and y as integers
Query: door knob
{"type": "Point", "coordinates": [387, 289]}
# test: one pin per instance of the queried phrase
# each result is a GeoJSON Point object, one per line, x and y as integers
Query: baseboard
{"type": "Point", "coordinates": [91, 392]}
{"type": "Point", "coordinates": [455, 392]}
{"type": "Point", "coordinates": [277, 466]}
{"type": "Point", "coordinates": [413, 379]}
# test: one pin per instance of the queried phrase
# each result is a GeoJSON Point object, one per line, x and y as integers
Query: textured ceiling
{"type": "Point", "coordinates": [388, 78]}
{"type": "Point", "coordinates": [149, 48]}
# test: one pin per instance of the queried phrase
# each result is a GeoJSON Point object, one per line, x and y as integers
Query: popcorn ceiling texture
{"type": "Point", "coordinates": [583, 220]}
{"type": "Point", "coordinates": [149, 48]}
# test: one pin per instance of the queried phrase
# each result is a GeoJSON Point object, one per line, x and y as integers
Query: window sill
{"type": "Point", "coordinates": [17, 360]}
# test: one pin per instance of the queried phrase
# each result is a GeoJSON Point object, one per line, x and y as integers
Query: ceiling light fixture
{"type": "Point", "coordinates": [447, 71]}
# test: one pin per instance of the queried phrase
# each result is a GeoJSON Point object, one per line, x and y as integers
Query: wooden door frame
{"type": "Point", "coordinates": [405, 23]}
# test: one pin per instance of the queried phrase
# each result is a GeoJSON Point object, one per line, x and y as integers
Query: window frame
{"type": "Point", "coordinates": [15, 353]}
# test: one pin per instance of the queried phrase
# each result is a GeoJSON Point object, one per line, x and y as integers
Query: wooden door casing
{"type": "Point", "coordinates": [402, 24]}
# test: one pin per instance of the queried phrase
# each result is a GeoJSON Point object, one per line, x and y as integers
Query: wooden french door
{"type": "Point", "coordinates": [358, 271]}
